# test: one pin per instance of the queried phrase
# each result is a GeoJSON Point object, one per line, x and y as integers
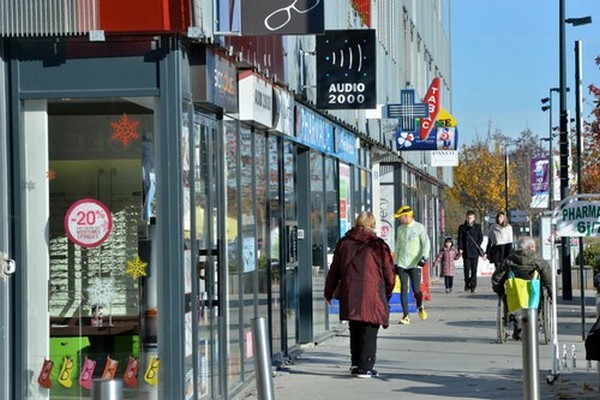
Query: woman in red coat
{"type": "Point", "coordinates": [363, 266]}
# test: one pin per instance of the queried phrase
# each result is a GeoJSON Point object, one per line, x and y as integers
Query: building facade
{"type": "Point", "coordinates": [165, 180]}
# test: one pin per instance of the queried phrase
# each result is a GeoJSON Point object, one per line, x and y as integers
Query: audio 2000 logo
{"type": "Point", "coordinates": [346, 69]}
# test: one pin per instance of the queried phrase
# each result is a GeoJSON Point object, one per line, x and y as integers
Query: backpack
{"type": "Point", "coordinates": [592, 342]}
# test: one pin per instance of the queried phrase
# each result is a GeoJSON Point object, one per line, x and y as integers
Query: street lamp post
{"type": "Point", "coordinates": [578, 123]}
{"type": "Point", "coordinates": [548, 108]}
{"type": "Point", "coordinates": [506, 180]}
{"type": "Point", "coordinates": [564, 139]}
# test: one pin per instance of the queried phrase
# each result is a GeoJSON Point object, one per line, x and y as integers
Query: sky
{"type": "Point", "coordinates": [505, 58]}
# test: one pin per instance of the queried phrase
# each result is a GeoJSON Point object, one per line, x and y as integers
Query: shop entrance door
{"type": "Point", "coordinates": [6, 265]}
{"type": "Point", "coordinates": [83, 306]}
{"type": "Point", "coordinates": [204, 232]}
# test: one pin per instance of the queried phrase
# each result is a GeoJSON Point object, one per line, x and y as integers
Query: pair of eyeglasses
{"type": "Point", "coordinates": [67, 367]}
{"type": "Point", "coordinates": [110, 369]}
{"type": "Point", "coordinates": [152, 368]}
{"type": "Point", "coordinates": [132, 367]}
{"type": "Point", "coordinates": [88, 369]}
{"type": "Point", "coordinates": [282, 16]}
{"type": "Point", "coordinates": [46, 369]}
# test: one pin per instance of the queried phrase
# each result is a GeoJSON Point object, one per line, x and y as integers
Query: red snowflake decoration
{"type": "Point", "coordinates": [51, 174]}
{"type": "Point", "coordinates": [125, 130]}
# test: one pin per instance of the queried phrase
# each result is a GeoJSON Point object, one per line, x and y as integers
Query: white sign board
{"type": "Point", "coordinates": [518, 217]}
{"type": "Point", "coordinates": [579, 219]}
{"type": "Point", "coordinates": [88, 223]}
{"type": "Point", "coordinates": [255, 99]}
{"type": "Point", "coordinates": [444, 158]}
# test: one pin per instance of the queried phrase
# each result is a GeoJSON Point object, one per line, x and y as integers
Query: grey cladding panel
{"type": "Point", "coordinates": [74, 67]}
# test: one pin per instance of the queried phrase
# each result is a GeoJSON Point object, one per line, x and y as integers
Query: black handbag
{"type": "Point", "coordinates": [479, 249]}
{"type": "Point", "coordinates": [592, 342]}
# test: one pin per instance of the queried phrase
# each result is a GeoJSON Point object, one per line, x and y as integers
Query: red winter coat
{"type": "Point", "coordinates": [366, 284]}
{"type": "Point", "coordinates": [447, 256]}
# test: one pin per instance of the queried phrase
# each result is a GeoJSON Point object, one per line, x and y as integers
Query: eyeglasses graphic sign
{"type": "Point", "coordinates": [346, 69]}
{"type": "Point", "coordinates": [282, 17]}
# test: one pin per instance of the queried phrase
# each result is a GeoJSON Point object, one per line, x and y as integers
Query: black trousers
{"type": "Point", "coordinates": [414, 275]}
{"type": "Point", "coordinates": [448, 281]}
{"type": "Point", "coordinates": [470, 266]}
{"type": "Point", "coordinates": [363, 344]}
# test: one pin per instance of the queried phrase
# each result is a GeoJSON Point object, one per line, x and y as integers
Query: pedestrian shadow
{"type": "Point", "coordinates": [503, 384]}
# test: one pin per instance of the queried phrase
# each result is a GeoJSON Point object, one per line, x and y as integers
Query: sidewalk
{"type": "Point", "coordinates": [453, 354]}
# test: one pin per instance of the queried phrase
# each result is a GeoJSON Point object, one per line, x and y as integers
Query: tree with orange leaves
{"type": "Point", "coordinates": [479, 178]}
{"type": "Point", "coordinates": [590, 167]}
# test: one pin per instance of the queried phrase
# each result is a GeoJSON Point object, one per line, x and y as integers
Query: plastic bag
{"type": "Point", "coordinates": [522, 293]}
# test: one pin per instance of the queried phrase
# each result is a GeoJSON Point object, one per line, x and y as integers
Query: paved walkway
{"type": "Point", "coordinates": [454, 354]}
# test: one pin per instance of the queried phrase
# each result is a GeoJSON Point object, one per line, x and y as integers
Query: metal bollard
{"type": "Point", "coordinates": [531, 378]}
{"type": "Point", "coordinates": [262, 359]}
{"type": "Point", "coordinates": [103, 389]}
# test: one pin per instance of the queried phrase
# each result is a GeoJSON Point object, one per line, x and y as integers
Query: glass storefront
{"type": "Point", "coordinates": [318, 237]}
{"type": "Point", "coordinates": [332, 220]}
{"type": "Point", "coordinates": [87, 296]}
{"type": "Point", "coordinates": [118, 191]}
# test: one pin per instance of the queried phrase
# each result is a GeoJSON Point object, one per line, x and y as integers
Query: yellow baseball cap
{"type": "Point", "coordinates": [404, 210]}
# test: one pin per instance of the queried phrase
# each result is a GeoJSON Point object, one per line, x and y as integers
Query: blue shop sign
{"type": "Point", "coordinates": [314, 130]}
{"type": "Point", "coordinates": [345, 146]}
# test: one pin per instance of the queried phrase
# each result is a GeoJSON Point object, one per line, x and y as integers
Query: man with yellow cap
{"type": "Point", "coordinates": [411, 253]}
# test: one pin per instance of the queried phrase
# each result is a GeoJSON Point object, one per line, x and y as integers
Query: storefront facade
{"type": "Point", "coordinates": [155, 202]}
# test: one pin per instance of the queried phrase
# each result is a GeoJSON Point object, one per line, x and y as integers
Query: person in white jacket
{"type": "Point", "coordinates": [500, 240]}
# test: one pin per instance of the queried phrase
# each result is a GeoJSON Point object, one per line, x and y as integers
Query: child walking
{"type": "Point", "coordinates": [447, 256]}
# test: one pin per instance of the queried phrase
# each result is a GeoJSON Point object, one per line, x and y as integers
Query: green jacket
{"type": "Point", "coordinates": [412, 243]}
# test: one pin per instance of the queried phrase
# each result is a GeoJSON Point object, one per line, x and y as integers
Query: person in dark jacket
{"type": "Point", "coordinates": [363, 266]}
{"type": "Point", "coordinates": [523, 262]}
{"type": "Point", "coordinates": [469, 242]}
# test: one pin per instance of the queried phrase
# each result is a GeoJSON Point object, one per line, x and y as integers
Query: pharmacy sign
{"type": "Point", "coordinates": [579, 218]}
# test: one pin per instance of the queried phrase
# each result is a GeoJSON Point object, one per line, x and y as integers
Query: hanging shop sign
{"type": "Point", "coordinates": [432, 99]}
{"type": "Point", "coordinates": [283, 17]}
{"type": "Point", "coordinates": [346, 69]}
{"type": "Point", "coordinates": [442, 138]}
{"type": "Point", "coordinates": [255, 99]}
{"type": "Point", "coordinates": [213, 80]}
{"type": "Point", "coordinates": [88, 223]}
{"type": "Point", "coordinates": [314, 130]}
{"type": "Point", "coordinates": [283, 111]}
{"type": "Point", "coordinates": [579, 219]}
{"type": "Point", "coordinates": [539, 179]}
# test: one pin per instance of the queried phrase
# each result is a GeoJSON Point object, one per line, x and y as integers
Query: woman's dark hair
{"type": "Point", "coordinates": [505, 222]}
